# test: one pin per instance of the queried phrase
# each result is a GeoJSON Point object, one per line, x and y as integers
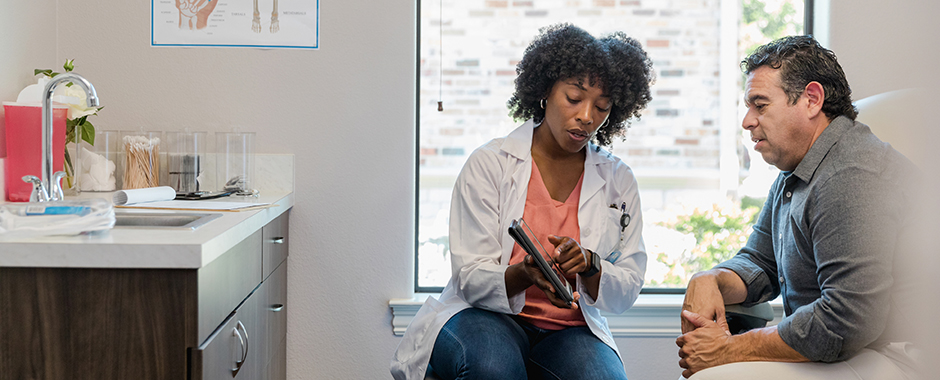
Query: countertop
{"type": "Point", "coordinates": [145, 247]}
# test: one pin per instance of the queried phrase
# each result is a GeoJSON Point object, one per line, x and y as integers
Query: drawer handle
{"type": "Point", "coordinates": [244, 344]}
{"type": "Point", "coordinates": [277, 240]}
{"type": "Point", "coordinates": [277, 307]}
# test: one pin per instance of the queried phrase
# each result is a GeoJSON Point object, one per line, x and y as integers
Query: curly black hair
{"type": "Point", "coordinates": [615, 63]}
{"type": "Point", "coordinates": [802, 60]}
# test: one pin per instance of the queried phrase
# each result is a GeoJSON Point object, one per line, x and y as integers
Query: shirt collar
{"type": "Point", "coordinates": [826, 140]}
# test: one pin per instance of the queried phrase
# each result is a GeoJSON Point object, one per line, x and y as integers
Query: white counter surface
{"type": "Point", "coordinates": [144, 247]}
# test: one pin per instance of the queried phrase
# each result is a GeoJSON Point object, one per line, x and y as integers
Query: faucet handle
{"type": "Point", "coordinates": [39, 191]}
{"type": "Point", "coordinates": [56, 192]}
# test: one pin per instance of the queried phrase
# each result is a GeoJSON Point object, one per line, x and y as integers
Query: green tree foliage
{"type": "Point", "coordinates": [719, 231]}
{"type": "Point", "coordinates": [772, 23]}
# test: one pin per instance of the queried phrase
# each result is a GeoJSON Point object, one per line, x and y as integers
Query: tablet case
{"type": "Point", "coordinates": [518, 234]}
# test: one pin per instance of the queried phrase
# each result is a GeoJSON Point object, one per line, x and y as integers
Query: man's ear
{"type": "Point", "coordinates": [816, 96]}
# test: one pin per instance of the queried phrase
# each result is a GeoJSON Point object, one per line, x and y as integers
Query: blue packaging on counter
{"type": "Point", "coordinates": [57, 210]}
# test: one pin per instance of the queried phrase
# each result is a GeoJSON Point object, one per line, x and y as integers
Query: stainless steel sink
{"type": "Point", "coordinates": [185, 221]}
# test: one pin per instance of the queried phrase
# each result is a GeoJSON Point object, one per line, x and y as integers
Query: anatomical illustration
{"type": "Point", "coordinates": [256, 19]}
{"type": "Point", "coordinates": [194, 13]}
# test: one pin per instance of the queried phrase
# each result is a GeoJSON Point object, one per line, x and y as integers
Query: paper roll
{"type": "Point", "coordinates": [150, 194]}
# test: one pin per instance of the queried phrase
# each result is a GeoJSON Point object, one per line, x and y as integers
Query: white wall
{"type": "Point", "coordinates": [886, 45]}
{"type": "Point", "coordinates": [347, 113]}
{"type": "Point", "coordinates": [19, 56]}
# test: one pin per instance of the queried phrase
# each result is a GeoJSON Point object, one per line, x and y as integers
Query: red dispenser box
{"type": "Point", "coordinates": [24, 146]}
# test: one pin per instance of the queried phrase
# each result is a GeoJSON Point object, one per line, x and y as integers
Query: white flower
{"type": "Point", "coordinates": [74, 96]}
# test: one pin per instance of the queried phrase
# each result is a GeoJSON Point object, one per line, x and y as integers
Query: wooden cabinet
{"type": "Point", "coordinates": [275, 314]}
{"type": "Point", "coordinates": [251, 343]}
{"type": "Point", "coordinates": [128, 323]}
{"type": "Point", "coordinates": [235, 349]}
{"type": "Point", "coordinates": [232, 350]}
{"type": "Point", "coordinates": [274, 244]}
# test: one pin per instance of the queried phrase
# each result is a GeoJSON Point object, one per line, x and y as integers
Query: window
{"type": "Point", "coordinates": [701, 183]}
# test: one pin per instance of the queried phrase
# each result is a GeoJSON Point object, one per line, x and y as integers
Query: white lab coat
{"type": "Point", "coordinates": [490, 192]}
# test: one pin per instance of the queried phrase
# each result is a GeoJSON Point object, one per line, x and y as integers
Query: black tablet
{"type": "Point", "coordinates": [562, 289]}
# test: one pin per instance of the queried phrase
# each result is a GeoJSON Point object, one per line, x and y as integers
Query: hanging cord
{"type": "Point", "coordinates": [440, 52]}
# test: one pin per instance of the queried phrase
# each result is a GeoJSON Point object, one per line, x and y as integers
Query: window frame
{"type": "Point", "coordinates": [417, 187]}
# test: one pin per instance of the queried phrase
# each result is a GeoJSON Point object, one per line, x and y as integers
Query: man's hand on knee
{"type": "Point", "coordinates": [706, 345]}
{"type": "Point", "coordinates": [703, 297]}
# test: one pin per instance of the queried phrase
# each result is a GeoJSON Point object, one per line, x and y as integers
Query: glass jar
{"type": "Point", "coordinates": [186, 160]}
{"type": "Point", "coordinates": [235, 162]}
{"type": "Point", "coordinates": [141, 163]}
{"type": "Point", "coordinates": [96, 165]}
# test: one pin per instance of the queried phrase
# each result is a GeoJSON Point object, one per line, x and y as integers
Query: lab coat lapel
{"type": "Point", "coordinates": [519, 142]}
{"type": "Point", "coordinates": [593, 181]}
{"type": "Point", "coordinates": [517, 145]}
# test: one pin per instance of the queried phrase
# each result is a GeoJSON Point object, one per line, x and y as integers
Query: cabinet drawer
{"type": "Point", "coordinates": [225, 282]}
{"type": "Point", "coordinates": [233, 350]}
{"type": "Point", "coordinates": [275, 310]}
{"type": "Point", "coordinates": [275, 242]}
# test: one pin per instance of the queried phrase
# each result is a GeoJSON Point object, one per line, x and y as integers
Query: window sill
{"type": "Point", "coordinates": [653, 315]}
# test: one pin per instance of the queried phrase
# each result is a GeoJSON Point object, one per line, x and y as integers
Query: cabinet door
{"type": "Point", "coordinates": [81, 323]}
{"type": "Point", "coordinates": [275, 310]}
{"type": "Point", "coordinates": [234, 350]}
{"type": "Point", "coordinates": [277, 367]}
{"type": "Point", "coordinates": [275, 242]}
{"type": "Point", "coordinates": [226, 281]}
{"type": "Point", "coordinates": [250, 313]}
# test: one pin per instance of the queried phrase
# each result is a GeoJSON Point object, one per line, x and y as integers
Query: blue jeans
{"type": "Point", "coordinates": [480, 344]}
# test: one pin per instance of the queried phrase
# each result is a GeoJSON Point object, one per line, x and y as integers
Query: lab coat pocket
{"type": "Point", "coordinates": [613, 234]}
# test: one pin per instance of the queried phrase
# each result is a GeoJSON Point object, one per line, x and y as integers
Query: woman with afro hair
{"type": "Point", "coordinates": [499, 317]}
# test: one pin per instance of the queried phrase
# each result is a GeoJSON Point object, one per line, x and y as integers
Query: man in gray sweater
{"type": "Point", "coordinates": [829, 237]}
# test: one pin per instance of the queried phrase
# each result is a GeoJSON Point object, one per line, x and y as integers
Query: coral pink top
{"type": "Point", "coordinates": [546, 216]}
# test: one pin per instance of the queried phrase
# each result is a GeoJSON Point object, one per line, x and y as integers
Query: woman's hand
{"type": "Point", "coordinates": [572, 258]}
{"type": "Point", "coordinates": [536, 276]}
{"type": "Point", "coordinates": [521, 276]}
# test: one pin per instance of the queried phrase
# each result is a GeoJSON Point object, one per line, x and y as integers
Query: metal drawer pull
{"type": "Point", "coordinates": [244, 343]}
{"type": "Point", "coordinates": [241, 342]}
{"type": "Point", "coordinates": [277, 307]}
{"type": "Point", "coordinates": [277, 240]}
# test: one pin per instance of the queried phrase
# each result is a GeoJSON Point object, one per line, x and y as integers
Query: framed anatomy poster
{"type": "Point", "coordinates": [237, 23]}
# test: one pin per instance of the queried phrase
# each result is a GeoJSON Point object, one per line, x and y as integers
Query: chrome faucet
{"type": "Point", "coordinates": [50, 187]}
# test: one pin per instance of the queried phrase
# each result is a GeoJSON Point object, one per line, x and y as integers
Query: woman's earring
{"type": "Point", "coordinates": [542, 103]}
